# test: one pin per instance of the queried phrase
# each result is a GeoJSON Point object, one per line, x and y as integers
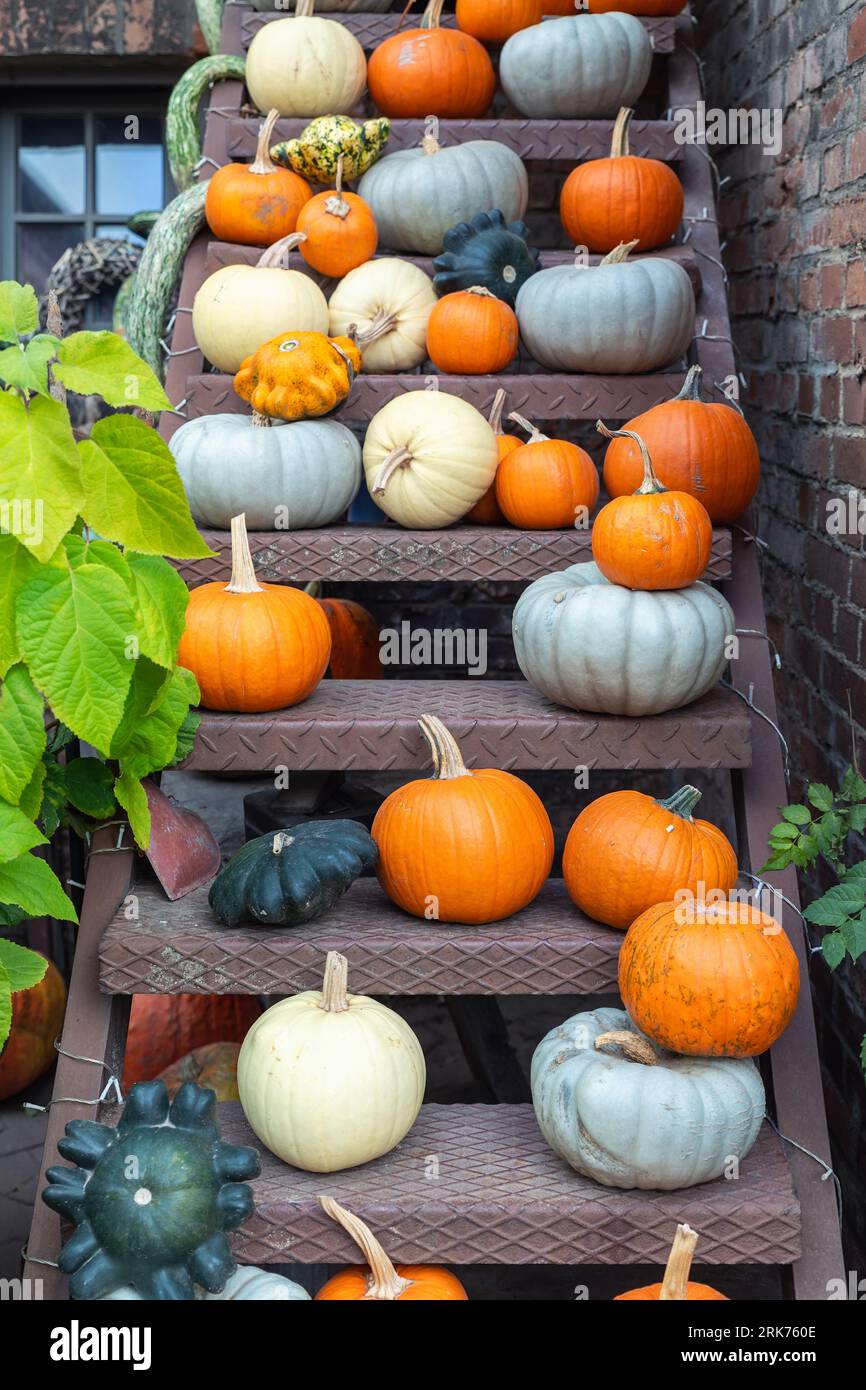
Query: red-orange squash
{"type": "Point", "coordinates": [626, 851]}
{"type": "Point", "coordinates": [380, 1281]}
{"type": "Point", "coordinates": [339, 231]}
{"type": "Point", "coordinates": [214, 1065]}
{"type": "Point", "coordinates": [354, 638]}
{"type": "Point", "coordinates": [494, 21]}
{"type": "Point", "coordinates": [163, 1028]}
{"type": "Point", "coordinates": [37, 1019]}
{"type": "Point", "coordinates": [431, 71]}
{"type": "Point", "coordinates": [255, 204]}
{"type": "Point", "coordinates": [546, 484]}
{"type": "Point", "coordinates": [471, 333]}
{"type": "Point", "coordinates": [709, 979]}
{"type": "Point", "coordinates": [676, 1287]}
{"type": "Point", "coordinates": [487, 511]}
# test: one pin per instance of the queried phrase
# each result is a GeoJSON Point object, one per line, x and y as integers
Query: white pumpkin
{"type": "Point", "coordinates": [632, 1115]}
{"type": "Point", "coordinates": [597, 646]}
{"type": "Point", "coordinates": [328, 1079]}
{"type": "Point", "coordinates": [247, 1282]}
{"type": "Point", "coordinates": [418, 195]}
{"type": "Point", "coordinates": [582, 66]}
{"type": "Point", "coordinates": [284, 477]}
{"type": "Point", "coordinates": [428, 457]}
{"type": "Point", "coordinates": [619, 316]}
{"type": "Point", "coordinates": [389, 301]}
{"type": "Point", "coordinates": [306, 66]}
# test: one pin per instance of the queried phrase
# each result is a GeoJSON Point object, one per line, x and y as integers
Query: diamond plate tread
{"type": "Point", "coordinates": [477, 1184]}
{"type": "Point", "coordinates": [178, 948]}
{"type": "Point", "coordinates": [372, 726]}
{"type": "Point", "coordinates": [386, 554]}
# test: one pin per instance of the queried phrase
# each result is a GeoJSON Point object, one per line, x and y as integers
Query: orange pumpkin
{"type": "Point", "coordinates": [37, 1019]}
{"type": "Point", "coordinates": [253, 647]}
{"type": "Point", "coordinates": [654, 539]}
{"type": "Point", "coordinates": [623, 198]}
{"type": "Point", "coordinates": [354, 638]}
{"type": "Point", "coordinates": [676, 1287]}
{"type": "Point", "coordinates": [163, 1028]}
{"type": "Point", "coordinates": [255, 204]}
{"type": "Point", "coordinates": [709, 979]}
{"type": "Point", "coordinates": [462, 846]}
{"type": "Point", "coordinates": [627, 851]}
{"type": "Point", "coordinates": [471, 333]}
{"type": "Point", "coordinates": [701, 447]}
{"type": "Point", "coordinates": [494, 21]}
{"type": "Point", "coordinates": [546, 484]}
{"type": "Point", "coordinates": [487, 511]}
{"type": "Point", "coordinates": [298, 376]}
{"type": "Point", "coordinates": [381, 1281]}
{"type": "Point", "coordinates": [431, 71]}
{"type": "Point", "coordinates": [215, 1065]}
{"type": "Point", "coordinates": [339, 230]}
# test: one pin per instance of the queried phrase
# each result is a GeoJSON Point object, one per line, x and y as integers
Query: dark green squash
{"type": "Point", "coordinates": [292, 876]}
{"type": "Point", "coordinates": [152, 1199]}
{"type": "Point", "coordinates": [486, 252]}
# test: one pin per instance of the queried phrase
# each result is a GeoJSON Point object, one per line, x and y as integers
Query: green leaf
{"type": "Point", "coordinates": [80, 551]}
{"type": "Point", "coordinates": [22, 732]}
{"type": "Point", "coordinates": [863, 1054]}
{"type": "Point", "coordinates": [30, 801]}
{"type": "Point", "coordinates": [784, 832]}
{"type": "Point", "coordinates": [89, 786]}
{"type": "Point", "coordinates": [833, 948]}
{"type": "Point", "coordinates": [777, 862]}
{"type": "Point", "coordinates": [838, 903]}
{"type": "Point", "coordinates": [26, 367]}
{"type": "Point", "coordinates": [853, 786]}
{"type": "Point", "coordinates": [17, 564]}
{"type": "Point", "coordinates": [147, 688]}
{"type": "Point", "coordinates": [59, 737]}
{"type": "Point", "coordinates": [161, 598]}
{"type": "Point", "coordinates": [11, 916]}
{"type": "Point", "coordinates": [5, 1006]}
{"type": "Point", "coordinates": [53, 796]}
{"type": "Point", "coordinates": [820, 796]}
{"type": "Point", "coordinates": [857, 818]}
{"type": "Point", "coordinates": [797, 815]}
{"type": "Point", "coordinates": [133, 491]}
{"type": "Point", "coordinates": [857, 871]}
{"type": "Point", "coordinates": [855, 936]}
{"type": "Point", "coordinates": [133, 798]}
{"type": "Point", "coordinates": [150, 743]}
{"type": "Point", "coordinates": [40, 471]}
{"type": "Point", "coordinates": [75, 626]}
{"type": "Point", "coordinates": [17, 833]}
{"type": "Point", "coordinates": [102, 364]}
{"type": "Point", "coordinates": [24, 968]}
{"type": "Point", "coordinates": [186, 735]}
{"type": "Point", "coordinates": [31, 885]}
{"type": "Point", "coordinates": [19, 311]}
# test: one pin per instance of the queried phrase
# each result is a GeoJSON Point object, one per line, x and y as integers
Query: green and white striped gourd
{"type": "Point", "coordinates": [158, 271]}
{"type": "Point", "coordinates": [182, 136]}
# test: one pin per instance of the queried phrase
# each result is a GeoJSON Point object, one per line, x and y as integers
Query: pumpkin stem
{"type": "Point", "coordinates": [619, 146]}
{"type": "Point", "coordinates": [303, 9]}
{"type": "Point", "coordinates": [691, 387]}
{"type": "Point", "coordinates": [263, 164]}
{"type": "Point", "coordinates": [384, 1282]}
{"type": "Point", "coordinates": [278, 254]}
{"type": "Point", "coordinates": [432, 15]}
{"type": "Point", "coordinates": [682, 803]}
{"type": "Point", "coordinates": [620, 253]}
{"type": "Point", "coordinates": [314, 589]}
{"type": "Point", "coordinates": [381, 324]}
{"type": "Point", "coordinates": [650, 482]}
{"type": "Point", "coordinates": [398, 458]}
{"type": "Point", "coordinates": [634, 1047]}
{"type": "Point", "coordinates": [430, 145]}
{"type": "Point", "coordinates": [335, 984]}
{"type": "Point", "coordinates": [336, 205]}
{"type": "Point", "coordinates": [481, 290]}
{"type": "Point", "coordinates": [447, 759]}
{"type": "Point", "coordinates": [495, 418]}
{"type": "Point", "coordinates": [675, 1285]}
{"type": "Point", "coordinates": [282, 840]}
{"type": "Point", "coordinates": [260, 421]}
{"type": "Point", "coordinates": [243, 580]}
{"type": "Point", "coordinates": [536, 437]}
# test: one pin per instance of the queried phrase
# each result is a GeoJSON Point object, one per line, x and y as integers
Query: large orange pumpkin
{"type": "Point", "coordinates": [709, 979]}
{"type": "Point", "coordinates": [546, 484]}
{"type": "Point", "coordinates": [697, 446]}
{"type": "Point", "coordinates": [676, 1287]}
{"type": "Point", "coordinates": [253, 647]}
{"type": "Point", "coordinates": [215, 1065]}
{"type": "Point", "coordinates": [627, 851]}
{"type": "Point", "coordinates": [163, 1028]}
{"type": "Point", "coordinates": [487, 511]}
{"type": "Point", "coordinates": [494, 21]}
{"type": "Point", "coordinates": [471, 333]}
{"type": "Point", "coordinates": [339, 230]}
{"type": "Point", "coordinates": [622, 198]}
{"type": "Point", "coordinates": [654, 539]}
{"type": "Point", "coordinates": [431, 71]}
{"type": "Point", "coordinates": [354, 638]}
{"type": "Point", "coordinates": [37, 1019]}
{"type": "Point", "coordinates": [462, 846]}
{"type": "Point", "coordinates": [255, 204]}
{"type": "Point", "coordinates": [381, 1281]}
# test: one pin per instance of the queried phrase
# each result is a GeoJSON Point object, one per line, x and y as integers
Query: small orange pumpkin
{"type": "Point", "coordinates": [487, 511]}
{"type": "Point", "coordinates": [431, 71]}
{"type": "Point", "coordinates": [298, 376]}
{"type": "Point", "coordinates": [676, 1287]}
{"type": "Point", "coordinates": [381, 1281]}
{"type": "Point", "coordinates": [494, 21]}
{"type": "Point", "coordinates": [37, 1019]}
{"type": "Point", "coordinates": [546, 484]}
{"type": "Point", "coordinates": [354, 638]}
{"type": "Point", "coordinates": [472, 333]}
{"type": "Point", "coordinates": [339, 230]}
{"type": "Point", "coordinates": [215, 1066]}
{"type": "Point", "coordinates": [255, 204]}
{"type": "Point", "coordinates": [709, 979]}
{"type": "Point", "coordinates": [654, 539]}
{"type": "Point", "coordinates": [253, 647]}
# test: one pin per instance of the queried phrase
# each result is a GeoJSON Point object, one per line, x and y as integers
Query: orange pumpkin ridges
{"type": "Point", "coordinates": [487, 511]}
{"type": "Point", "coordinates": [339, 230]}
{"type": "Point", "coordinates": [709, 979]}
{"type": "Point", "coordinates": [431, 71]}
{"type": "Point", "coordinates": [546, 484]}
{"type": "Point", "coordinates": [163, 1028]}
{"type": "Point", "coordinates": [256, 204]}
{"type": "Point", "coordinates": [626, 851]}
{"type": "Point", "coordinates": [494, 21]}
{"type": "Point", "coordinates": [298, 375]}
{"type": "Point", "coordinates": [701, 447]}
{"type": "Point", "coordinates": [462, 846]}
{"type": "Point", "coordinates": [472, 333]}
{"type": "Point", "coordinates": [381, 1281]}
{"type": "Point", "coordinates": [37, 1019]}
{"type": "Point", "coordinates": [654, 539]}
{"type": "Point", "coordinates": [214, 1066]}
{"type": "Point", "coordinates": [253, 647]}
{"type": "Point", "coordinates": [354, 638]}
{"type": "Point", "coordinates": [676, 1285]}
{"type": "Point", "coordinates": [622, 198]}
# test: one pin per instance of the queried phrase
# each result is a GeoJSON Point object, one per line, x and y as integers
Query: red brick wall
{"type": "Point", "coordinates": [796, 240]}
{"type": "Point", "coordinates": [97, 28]}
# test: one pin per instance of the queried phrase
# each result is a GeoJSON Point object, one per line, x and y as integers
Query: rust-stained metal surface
{"type": "Point", "coordinates": [180, 948]}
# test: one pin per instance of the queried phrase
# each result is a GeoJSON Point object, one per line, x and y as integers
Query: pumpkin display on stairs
{"type": "Point", "coordinates": [321, 145]}
{"type": "Point", "coordinates": [381, 1281]}
{"type": "Point", "coordinates": [339, 230]}
{"type": "Point", "coordinates": [431, 71]}
{"type": "Point", "coordinates": [546, 484]}
{"type": "Point", "coordinates": [355, 639]}
{"type": "Point", "coordinates": [587, 66]}
{"type": "Point", "coordinates": [298, 376]}
{"type": "Point", "coordinates": [256, 204]}
{"type": "Point", "coordinates": [471, 333]}
{"type": "Point", "coordinates": [487, 252]}
{"type": "Point", "coordinates": [384, 306]}
{"type": "Point", "coordinates": [306, 66]}
{"type": "Point", "coordinates": [494, 21]}
{"type": "Point", "coordinates": [676, 1286]}
{"type": "Point", "coordinates": [486, 511]}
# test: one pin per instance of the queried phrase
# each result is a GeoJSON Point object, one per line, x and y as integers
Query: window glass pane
{"type": "Point", "coordinates": [40, 245]}
{"type": "Point", "coordinates": [119, 232]}
{"type": "Point", "coordinates": [51, 164]}
{"type": "Point", "coordinates": [129, 163]}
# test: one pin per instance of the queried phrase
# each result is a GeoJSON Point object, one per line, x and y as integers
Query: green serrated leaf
{"type": "Point", "coordinates": [838, 903]}
{"type": "Point", "coordinates": [797, 815]}
{"type": "Point", "coordinates": [856, 872]}
{"type": "Point", "coordinates": [833, 949]}
{"type": "Point", "coordinates": [857, 818]}
{"type": "Point", "coordinates": [161, 598]}
{"type": "Point", "coordinates": [11, 916]}
{"type": "Point", "coordinates": [133, 798]}
{"type": "Point", "coordinates": [90, 787]}
{"type": "Point", "coordinates": [17, 833]}
{"type": "Point", "coordinates": [855, 936]}
{"type": "Point", "coordinates": [17, 564]}
{"type": "Point", "coordinates": [53, 796]}
{"type": "Point", "coordinates": [40, 471]}
{"type": "Point", "coordinates": [186, 735]}
{"type": "Point", "coordinates": [24, 968]}
{"type": "Point", "coordinates": [777, 862]}
{"type": "Point", "coordinates": [25, 367]}
{"type": "Point", "coordinates": [31, 885]}
{"type": "Point", "coordinates": [30, 800]}
{"type": "Point", "coordinates": [59, 737]}
{"type": "Point", "coordinates": [22, 732]}
{"type": "Point", "coordinates": [820, 796]}
{"type": "Point", "coordinates": [147, 688]}
{"type": "Point", "coordinates": [150, 742]}
{"type": "Point", "coordinates": [133, 491]}
{"type": "Point", "coordinates": [5, 1006]}
{"type": "Point", "coordinates": [102, 364]}
{"type": "Point", "coordinates": [80, 551]}
{"type": "Point", "coordinates": [784, 832]}
{"type": "Point", "coordinates": [19, 311]}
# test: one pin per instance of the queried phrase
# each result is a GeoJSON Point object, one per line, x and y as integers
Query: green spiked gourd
{"type": "Point", "coordinates": [488, 252]}
{"type": "Point", "coordinates": [319, 148]}
{"type": "Point", "coordinates": [151, 1200]}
